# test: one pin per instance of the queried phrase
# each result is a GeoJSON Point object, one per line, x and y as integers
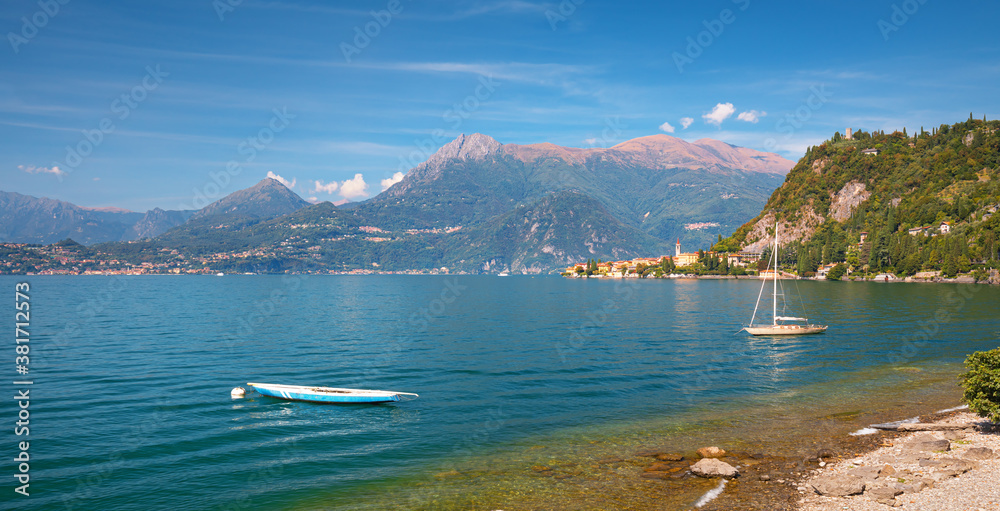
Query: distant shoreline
{"type": "Point", "coordinates": [896, 280]}
{"type": "Point", "coordinates": [906, 280]}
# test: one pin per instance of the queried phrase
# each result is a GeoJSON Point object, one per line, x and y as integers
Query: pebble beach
{"type": "Point", "coordinates": [949, 469]}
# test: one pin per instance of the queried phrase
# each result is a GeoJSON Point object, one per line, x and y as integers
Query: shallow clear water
{"type": "Point", "coordinates": [130, 407]}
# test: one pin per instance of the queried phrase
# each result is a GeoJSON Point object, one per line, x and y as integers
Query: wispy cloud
{"type": "Point", "coordinates": [524, 72]}
{"type": "Point", "coordinates": [686, 121]}
{"type": "Point", "coordinates": [363, 148]}
{"type": "Point", "coordinates": [666, 127]}
{"type": "Point", "coordinates": [31, 169]}
{"type": "Point", "coordinates": [455, 13]}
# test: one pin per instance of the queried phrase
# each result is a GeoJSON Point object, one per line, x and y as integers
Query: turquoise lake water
{"type": "Point", "coordinates": [130, 406]}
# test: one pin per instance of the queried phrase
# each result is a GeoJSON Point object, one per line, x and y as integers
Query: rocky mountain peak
{"type": "Point", "coordinates": [266, 199]}
{"type": "Point", "coordinates": [466, 147]}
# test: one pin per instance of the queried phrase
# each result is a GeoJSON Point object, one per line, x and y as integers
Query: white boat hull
{"type": "Point", "coordinates": [327, 394]}
{"type": "Point", "coordinates": [786, 329]}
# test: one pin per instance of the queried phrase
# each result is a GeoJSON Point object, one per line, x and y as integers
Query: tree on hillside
{"type": "Point", "coordinates": [667, 265]}
{"type": "Point", "coordinates": [949, 268]}
{"type": "Point", "coordinates": [836, 272]}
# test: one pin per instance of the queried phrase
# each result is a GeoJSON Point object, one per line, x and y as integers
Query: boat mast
{"type": "Point", "coordinates": [774, 295]}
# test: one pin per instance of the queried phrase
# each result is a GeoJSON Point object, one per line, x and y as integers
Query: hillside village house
{"type": "Point", "coordinates": [945, 227]}
{"type": "Point", "coordinates": [822, 271]}
{"type": "Point", "coordinates": [743, 258]}
{"type": "Point", "coordinates": [681, 259]}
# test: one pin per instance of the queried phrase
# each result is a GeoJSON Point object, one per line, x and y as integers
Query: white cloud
{"type": "Point", "coordinates": [31, 169]}
{"type": "Point", "coordinates": [686, 121]}
{"type": "Point", "coordinates": [281, 180]}
{"type": "Point", "coordinates": [314, 200]}
{"type": "Point", "coordinates": [721, 112]}
{"type": "Point", "coordinates": [666, 127]}
{"type": "Point", "coordinates": [386, 183]}
{"type": "Point", "coordinates": [330, 187]}
{"type": "Point", "coordinates": [354, 188]}
{"type": "Point", "coordinates": [590, 141]}
{"type": "Point", "coordinates": [752, 116]}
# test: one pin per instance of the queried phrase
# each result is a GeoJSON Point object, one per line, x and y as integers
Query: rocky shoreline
{"type": "Point", "coordinates": [948, 460]}
{"type": "Point", "coordinates": [948, 464]}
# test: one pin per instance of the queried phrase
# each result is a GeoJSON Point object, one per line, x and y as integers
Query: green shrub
{"type": "Point", "coordinates": [836, 272]}
{"type": "Point", "coordinates": [980, 275]}
{"type": "Point", "coordinates": [982, 383]}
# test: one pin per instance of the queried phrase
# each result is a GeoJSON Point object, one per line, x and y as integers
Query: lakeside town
{"type": "Point", "coordinates": [711, 264]}
{"type": "Point", "coordinates": [70, 258]}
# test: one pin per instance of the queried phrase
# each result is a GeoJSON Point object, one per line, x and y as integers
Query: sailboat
{"type": "Point", "coordinates": [780, 325]}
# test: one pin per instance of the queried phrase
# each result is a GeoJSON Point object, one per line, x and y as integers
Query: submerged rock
{"type": "Point", "coordinates": [658, 467]}
{"type": "Point", "coordinates": [669, 457]}
{"type": "Point", "coordinates": [825, 453]}
{"type": "Point", "coordinates": [711, 467]}
{"type": "Point", "coordinates": [711, 452]}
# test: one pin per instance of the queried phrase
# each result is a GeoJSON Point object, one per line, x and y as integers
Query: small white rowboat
{"type": "Point", "coordinates": [327, 394]}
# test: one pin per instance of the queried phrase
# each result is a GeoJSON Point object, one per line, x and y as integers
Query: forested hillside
{"type": "Point", "coordinates": [895, 202]}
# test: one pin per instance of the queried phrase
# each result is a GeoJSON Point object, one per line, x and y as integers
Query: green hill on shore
{"type": "Point", "coordinates": [897, 202]}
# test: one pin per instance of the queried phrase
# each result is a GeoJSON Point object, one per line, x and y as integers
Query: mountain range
{"type": "Point", "coordinates": [26, 219]}
{"type": "Point", "coordinates": [475, 205]}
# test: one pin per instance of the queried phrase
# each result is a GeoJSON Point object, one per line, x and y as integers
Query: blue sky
{"type": "Point", "coordinates": [173, 104]}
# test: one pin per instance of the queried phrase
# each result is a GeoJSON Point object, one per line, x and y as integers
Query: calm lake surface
{"type": "Point", "coordinates": [130, 406]}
